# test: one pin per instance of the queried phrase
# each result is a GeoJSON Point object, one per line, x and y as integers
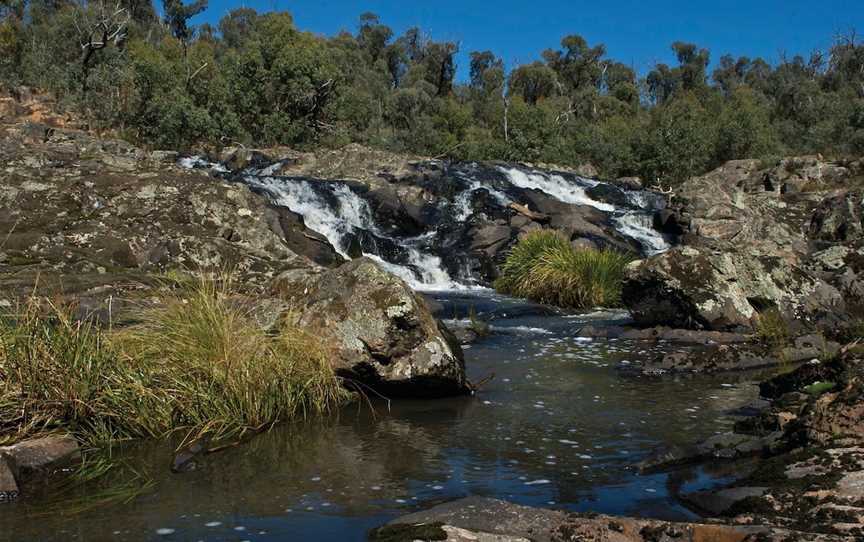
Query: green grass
{"type": "Point", "coordinates": [545, 267]}
{"type": "Point", "coordinates": [199, 364]}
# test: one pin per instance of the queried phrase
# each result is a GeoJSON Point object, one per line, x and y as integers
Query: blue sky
{"type": "Point", "coordinates": [635, 32]}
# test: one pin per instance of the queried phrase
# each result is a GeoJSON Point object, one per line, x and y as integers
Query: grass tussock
{"type": "Point", "coordinates": [198, 364]}
{"type": "Point", "coordinates": [545, 267]}
{"type": "Point", "coordinates": [772, 329]}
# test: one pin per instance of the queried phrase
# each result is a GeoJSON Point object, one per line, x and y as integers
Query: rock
{"type": "Point", "coordinates": [722, 289]}
{"type": "Point", "coordinates": [41, 455]}
{"type": "Point", "coordinates": [718, 502]}
{"type": "Point", "coordinates": [477, 518]}
{"type": "Point", "coordinates": [588, 170]}
{"type": "Point", "coordinates": [8, 485]}
{"type": "Point", "coordinates": [382, 332]}
{"type": "Point", "coordinates": [838, 218]}
{"type": "Point", "coordinates": [632, 183]}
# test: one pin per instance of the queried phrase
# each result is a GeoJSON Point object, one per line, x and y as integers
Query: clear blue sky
{"type": "Point", "coordinates": [635, 32]}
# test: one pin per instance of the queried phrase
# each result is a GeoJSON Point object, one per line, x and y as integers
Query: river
{"type": "Point", "coordinates": [561, 424]}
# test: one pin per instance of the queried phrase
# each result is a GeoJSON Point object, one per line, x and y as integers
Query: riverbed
{"type": "Point", "coordinates": [559, 422]}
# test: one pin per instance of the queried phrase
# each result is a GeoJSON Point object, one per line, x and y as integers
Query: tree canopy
{"type": "Point", "coordinates": [255, 78]}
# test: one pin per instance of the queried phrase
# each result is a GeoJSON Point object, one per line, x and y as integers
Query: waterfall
{"type": "Point", "coordinates": [465, 197]}
{"type": "Point", "coordinates": [556, 186]}
{"type": "Point", "coordinates": [340, 214]}
{"type": "Point", "coordinates": [637, 223]}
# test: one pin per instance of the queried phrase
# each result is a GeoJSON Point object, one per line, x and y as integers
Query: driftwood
{"type": "Point", "coordinates": [528, 213]}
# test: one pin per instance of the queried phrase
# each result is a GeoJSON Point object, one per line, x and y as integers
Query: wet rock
{"type": "Point", "coordinates": [383, 334]}
{"type": "Point", "coordinates": [8, 485]}
{"type": "Point", "coordinates": [304, 241]}
{"type": "Point", "coordinates": [710, 358]}
{"type": "Point", "coordinates": [41, 455]}
{"type": "Point", "coordinates": [718, 502]}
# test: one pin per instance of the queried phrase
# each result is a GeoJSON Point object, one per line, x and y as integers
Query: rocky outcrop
{"type": "Point", "coordinates": [810, 476]}
{"type": "Point", "coordinates": [384, 335]}
{"type": "Point", "coordinates": [755, 238]}
{"type": "Point", "coordinates": [100, 222]}
{"type": "Point", "coordinates": [476, 518]}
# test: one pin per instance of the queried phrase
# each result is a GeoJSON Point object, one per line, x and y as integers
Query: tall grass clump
{"type": "Point", "coordinates": [772, 329]}
{"type": "Point", "coordinates": [199, 364]}
{"type": "Point", "coordinates": [545, 267]}
{"type": "Point", "coordinates": [55, 371]}
{"type": "Point", "coordinates": [227, 374]}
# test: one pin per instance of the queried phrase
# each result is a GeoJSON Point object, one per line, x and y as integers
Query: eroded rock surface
{"type": "Point", "coordinates": [756, 238]}
{"type": "Point", "coordinates": [384, 334]}
{"type": "Point", "coordinates": [476, 518]}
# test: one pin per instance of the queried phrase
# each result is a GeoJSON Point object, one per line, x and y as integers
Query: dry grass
{"type": "Point", "coordinates": [198, 364]}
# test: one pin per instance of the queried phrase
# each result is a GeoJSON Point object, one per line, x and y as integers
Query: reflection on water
{"type": "Point", "coordinates": [557, 426]}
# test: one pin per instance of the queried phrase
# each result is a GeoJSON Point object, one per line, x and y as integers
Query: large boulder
{"type": "Point", "coordinates": [722, 289]}
{"type": "Point", "coordinates": [382, 333]}
{"type": "Point", "coordinates": [755, 238]}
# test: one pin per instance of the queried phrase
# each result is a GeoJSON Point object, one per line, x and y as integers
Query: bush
{"type": "Point", "coordinates": [544, 267]}
{"type": "Point", "coordinates": [199, 364]}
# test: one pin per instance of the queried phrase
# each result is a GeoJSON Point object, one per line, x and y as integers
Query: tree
{"type": "Point", "coordinates": [744, 128]}
{"type": "Point", "coordinates": [177, 15]}
{"type": "Point", "coordinates": [578, 66]}
{"type": "Point", "coordinates": [237, 26]}
{"type": "Point", "coordinates": [99, 26]}
{"type": "Point", "coordinates": [483, 65]}
{"type": "Point", "coordinates": [533, 82]}
{"type": "Point", "coordinates": [373, 36]}
{"type": "Point", "coordinates": [679, 141]}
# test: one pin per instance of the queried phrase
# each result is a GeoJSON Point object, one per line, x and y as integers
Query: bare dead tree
{"type": "Point", "coordinates": [99, 26]}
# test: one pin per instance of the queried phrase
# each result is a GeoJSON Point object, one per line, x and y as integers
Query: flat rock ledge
{"type": "Point", "coordinates": [490, 520]}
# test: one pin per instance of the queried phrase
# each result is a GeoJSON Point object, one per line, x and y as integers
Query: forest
{"type": "Point", "coordinates": [157, 80]}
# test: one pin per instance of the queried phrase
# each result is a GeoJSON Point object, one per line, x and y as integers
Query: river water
{"type": "Point", "coordinates": [559, 425]}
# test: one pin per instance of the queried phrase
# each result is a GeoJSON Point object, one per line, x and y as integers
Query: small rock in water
{"type": "Point", "coordinates": [165, 531]}
{"type": "Point", "coordinates": [213, 524]}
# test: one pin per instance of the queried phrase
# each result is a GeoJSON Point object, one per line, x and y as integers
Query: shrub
{"type": "Point", "coordinates": [546, 268]}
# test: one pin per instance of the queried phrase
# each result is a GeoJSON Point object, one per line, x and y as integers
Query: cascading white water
{"type": "Point", "coordinates": [351, 214]}
{"type": "Point", "coordinates": [635, 224]}
{"type": "Point", "coordinates": [556, 186]}
{"type": "Point", "coordinates": [343, 216]}
{"type": "Point", "coordinates": [462, 209]}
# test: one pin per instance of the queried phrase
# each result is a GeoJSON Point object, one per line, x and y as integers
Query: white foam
{"type": "Point", "coordinates": [556, 186]}
{"type": "Point", "coordinates": [351, 214]}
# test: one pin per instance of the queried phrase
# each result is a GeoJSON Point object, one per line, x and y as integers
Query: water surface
{"type": "Point", "coordinates": [559, 425]}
